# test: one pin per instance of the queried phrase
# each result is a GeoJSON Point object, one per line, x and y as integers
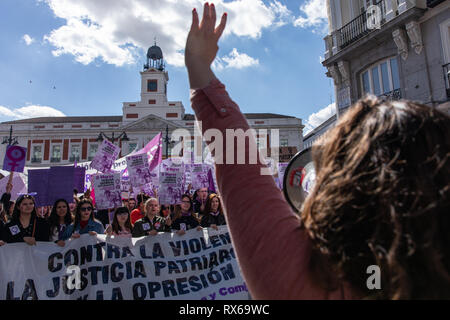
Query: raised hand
{"type": "Point", "coordinates": [201, 46]}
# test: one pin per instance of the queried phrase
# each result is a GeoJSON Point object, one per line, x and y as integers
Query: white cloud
{"type": "Point", "coordinates": [31, 111]}
{"type": "Point", "coordinates": [28, 40]}
{"type": "Point", "coordinates": [235, 60]}
{"type": "Point", "coordinates": [114, 31]}
{"type": "Point", "coordinates": [314, 15]}
{"type": "Point", "coordinates": [319, 117]}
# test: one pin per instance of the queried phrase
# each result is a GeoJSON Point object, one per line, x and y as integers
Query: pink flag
{"type": "Point", "coordinates": [154, 151]}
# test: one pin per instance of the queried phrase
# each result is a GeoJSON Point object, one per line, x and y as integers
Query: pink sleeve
{"type": "Point", "coordinates": [272, 249]}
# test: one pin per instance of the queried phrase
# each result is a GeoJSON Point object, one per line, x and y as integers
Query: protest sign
{"type": "Point", "coordinates": [38, 183]}
{"type": "Point", "coordinates": [52, 184]}
{"type": "Point", "coordinates": [15, 158]}
{"type": "Point", "coordinates": [200, 265]}
{"type": "Point", "coordinates": [138, 169]}
{"type": "Point", "coordinates": [60, 184]}
{"type": "Point", "coordinates": [19, 186]}
{"type": "Point", "coordinates": [171, 187]}
{"type": "Point", "coordinates": [78, 179]}
{"type": "Point", "coordinates": [198, 175]}
{"type": "Point", "coordinates": [105, 156]}
{"type": "Point", "coordinates": [107, 190]}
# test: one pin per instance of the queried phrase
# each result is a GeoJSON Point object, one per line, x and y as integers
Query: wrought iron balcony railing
{"type": "Point", "coordinates": [36, 160]}
{"type": "Point", "coordinates": [55, 159]}
{"type": "Point", "coordinates": [359, 27]}
{"type": "Point", "coordinates": [392, 95]}
{"type": "Point", "coordinates": [72, 159]}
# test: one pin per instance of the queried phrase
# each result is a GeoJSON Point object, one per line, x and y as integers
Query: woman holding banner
{"type": "Point", "coordinates": [214, 216]}
{"type": "Point", "coordinates": [152, 223]}
{"type": "Point", "coordinates": [60, 219]}
{"type": "Point", "coordinates": [376, 218]}
{"type": "Point", "coordinates": [121, 224]}
{"type": "Point", "coordinates": [84, 222]}
{"type": "Point", "coordinates": [25, 225]}
{"type": "Point", "coordinates": [184, 218]}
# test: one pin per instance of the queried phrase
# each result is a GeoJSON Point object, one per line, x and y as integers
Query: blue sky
{"type": "Point", "coordinates": [83, 57]}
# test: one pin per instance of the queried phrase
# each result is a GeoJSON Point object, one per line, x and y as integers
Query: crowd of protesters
{"type": "Point", "coordinates": [140, 216]}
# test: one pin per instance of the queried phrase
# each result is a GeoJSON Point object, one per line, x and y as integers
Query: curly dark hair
{"type": "Point", "coordinates": [382, 198]}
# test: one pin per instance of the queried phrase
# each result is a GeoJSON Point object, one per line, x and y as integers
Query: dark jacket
{"type": "Point", "coordinates": [190, 221]}
{"type": "Point", "coordinates": [41, 230]}
{"type": "Point", "coordinates": [143, 226]}
{"type": "Point", "coordinates": [209, 219]}
{"type": "Point", "coordinates": [93, 225]}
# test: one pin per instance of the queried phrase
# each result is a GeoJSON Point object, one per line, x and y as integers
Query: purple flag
{"type": "Point", "coordinates": [60, 184]}
{"type": "Point", "coordinates": [38, 182]}
{"type": "Point", "coordinates": [153, 150]}
{"type": "Point", "coordinates": [15, 158]}
{"type": "Point", "coordinates": [78, 179]}
{"type": "Point", "coordinates": [211, 181]}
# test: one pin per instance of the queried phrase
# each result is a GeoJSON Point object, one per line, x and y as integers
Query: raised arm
{"type": "Point", "coordinates": [272, 248]}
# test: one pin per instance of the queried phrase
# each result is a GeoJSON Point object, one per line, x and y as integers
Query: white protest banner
{"type": "Point", "coordinates": [107, 190]}
{"type": "Point", "coordinates": [105, 156]}
{"type": "Point", "coordinates": [198, 265]}
{"type": "Point", "coordinates": [138, 169]}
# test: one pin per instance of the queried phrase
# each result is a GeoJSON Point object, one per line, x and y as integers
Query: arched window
{"type": "Point", "coordinates": [381, 78]}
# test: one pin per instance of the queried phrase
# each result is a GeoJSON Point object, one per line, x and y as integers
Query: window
{"type": "Point", "coordinates": [56, 153]}
{"type": "Point", "coordinates": [37, 154]}
{"type": "Point", "coordinates": [152, 85]}
{"type": "Point", "coordinates": [283, 142]}
{"type": "Point", "coordinates": [382, 78]}
{"type": "Point", "coordinates": [92, 151]}
{"type": "Point", "coordinates": [75, 151]}
{"type": "Point", "coordinates": [261, 142]}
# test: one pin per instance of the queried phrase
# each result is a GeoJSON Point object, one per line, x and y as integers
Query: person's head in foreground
{"type": "Point", "coordinates": [382, 198]}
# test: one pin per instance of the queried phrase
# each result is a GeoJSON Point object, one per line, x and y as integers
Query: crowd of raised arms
{"type": "Point", "coordinates": [140, 216]}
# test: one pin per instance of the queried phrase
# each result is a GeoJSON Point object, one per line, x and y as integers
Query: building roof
{"type": "Point", "coordinates": [67, 119]}
{"type": "Point", "coordinates": [327, 122]}
{"type": "Point", "coordinates": [119, 118]}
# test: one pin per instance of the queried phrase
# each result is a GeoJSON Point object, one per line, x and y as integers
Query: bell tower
{"type": "Point", "coordinates": [154, 80]}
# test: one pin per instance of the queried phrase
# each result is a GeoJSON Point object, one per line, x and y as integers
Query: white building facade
{"type": "Point", "coordinates": [397, 49]}
{"type": "Point", "coordinates": [52, 141]}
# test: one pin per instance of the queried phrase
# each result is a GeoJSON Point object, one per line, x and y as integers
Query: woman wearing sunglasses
{"type": "Point", "coordinates": [121, 225]}
{"type": "Point", "coordinates": [84, 222]}
{"type": "Point", "coordinates": [25, 225]}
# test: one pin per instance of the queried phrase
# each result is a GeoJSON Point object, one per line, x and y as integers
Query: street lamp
{"type": "Point", "coordinates": [112, 139]}
{"type": "Point", "coordinates": [10, 141]}
{"type": "Point", "coordinates": [168, 142]}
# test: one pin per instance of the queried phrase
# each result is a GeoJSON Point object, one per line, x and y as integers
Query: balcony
{"type": "Point", "coordinates": [359, 27]}
{"type": "Point", "coordinates": [55, 159]}
{"type": "Point", "coordinates": [446, 68]}
{"type": "Point", "coordinates": [36, 160]}
{"type": "Point", "coordinates": [73, 159]}
{"type": "Point", "coordinates": [378, 21]}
